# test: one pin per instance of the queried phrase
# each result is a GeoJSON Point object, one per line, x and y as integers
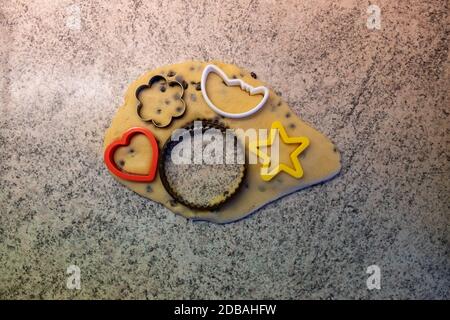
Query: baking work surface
{"type": "Point", "coordinates": [379, 94]}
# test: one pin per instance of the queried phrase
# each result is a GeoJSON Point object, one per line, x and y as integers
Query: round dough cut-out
{"type": "Point", "coordinates": [211, 183]}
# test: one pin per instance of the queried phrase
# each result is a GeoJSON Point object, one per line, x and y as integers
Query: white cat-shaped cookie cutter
{"type": "Point", "coordinates": [232, 82]}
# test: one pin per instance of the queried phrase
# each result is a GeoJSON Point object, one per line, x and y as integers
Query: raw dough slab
{"type": "Point", "coordinates": [320, 161]}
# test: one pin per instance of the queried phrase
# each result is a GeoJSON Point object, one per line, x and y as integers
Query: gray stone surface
{"type": "Point", "coordinates": [380, 95]}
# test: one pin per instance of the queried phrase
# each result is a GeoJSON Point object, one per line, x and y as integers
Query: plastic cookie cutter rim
{"type": "Point", "coordinates": [152, 81]}
{"type": "Point", "coordinates": [303, 142]}
{"type": "Point", "coordinates": [230, 83]}
{"type": "Point", "coordinates": [124, 140]}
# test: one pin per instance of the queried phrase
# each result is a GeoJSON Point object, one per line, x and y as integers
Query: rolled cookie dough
{"type": "Point", "coordinates": [320, 161]}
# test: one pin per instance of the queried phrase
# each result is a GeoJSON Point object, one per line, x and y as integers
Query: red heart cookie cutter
{"type": "Point", "coordinates": [124, 141]}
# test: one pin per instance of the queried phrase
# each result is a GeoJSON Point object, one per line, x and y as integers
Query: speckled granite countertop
{"type": "Point", "coordinates": [380, 95]}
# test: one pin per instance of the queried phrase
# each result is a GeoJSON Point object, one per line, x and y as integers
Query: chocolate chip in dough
{"type": "Point", "coordinates": [253, 75]}
{"type": "Point", "coordinates": [173, 202]}
{"type": "Point", "coordinates": [303, 154]}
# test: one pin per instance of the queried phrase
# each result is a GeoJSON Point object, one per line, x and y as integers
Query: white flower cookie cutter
{"type": "Point", "coordinates": [232, 82]}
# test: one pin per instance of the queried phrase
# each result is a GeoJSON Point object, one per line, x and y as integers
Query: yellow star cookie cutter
{"type": "Point", "coordinates": [297, 171]}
